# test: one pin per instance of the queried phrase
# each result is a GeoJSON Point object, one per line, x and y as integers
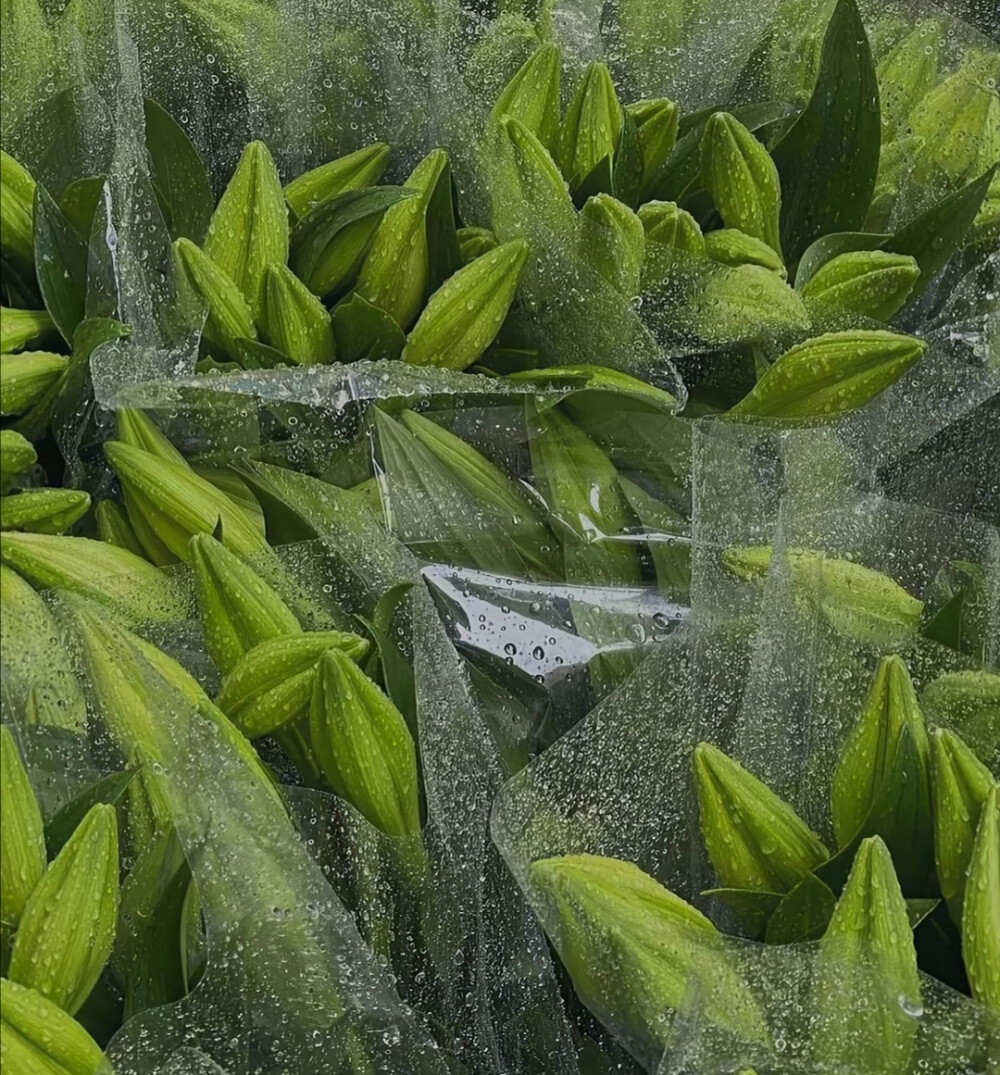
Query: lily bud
{"type": "Point", "coordinates": [354, 171]}
{"type": "Point", "coordinates": [656, 121]}
{"type": "Point", "coordinates": [38, 1038]}
{"type": "Point", "coordinates": [22, 833]}
{"type": "Point", "coordinates": [532, 95]}
{"type": "Point", "coordinates": [293, 319]}
{"type": "Point", "coordinates": [18, 328]}
{"type": "Point", "coordinates": [872, 283]}
{"type": "Point", "coordinates": [114, 527]}
{"type": "Point", "coordinates": [634, 950]}
{"type": "Point", "coordinates": [592, 126]}
{"type": "Point", "coordinates": [754, 839]}
{"type": "Point", "coordinates": [17, 197]}
{"type": "Point", "coordinates": [229, 316]}
{"type": "Point", "coordinates": [16, 455]}
{"type": "Point", "coordinates": [866, 973]}
{"type": "Point", "coordinates": [474, 242]}
{"type": "Point", "coordinates": [43, 511]}
{"type": "Point", "coordinates": [981, 906]}
{"type": "Point", "coordinates": [272, 683]}
{"type": "Point", "coordinates": [730, 246]}
{"type": "Point", "coordinates": [26, 377]}
{"type": "Point", "coordinates": [664, 223]}
{"type": "Point", "coordinates": [960, 784]}
{"type": "Point", "coordinates": [363, 747]}
{"type": "Point", "coordinates": [464, 315]}
{"type": "Point", "coordinates": [529, 167]}
{"type": "Point", "coordinates": [238, 609]}
{"type": "Point", "coordinates": [68, 926]}
{"type": "Point", "coordinates": [106, 574]}
{"type": "Point", "coordinates": [613, 241]}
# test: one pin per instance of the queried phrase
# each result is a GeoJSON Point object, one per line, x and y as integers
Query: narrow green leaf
{"type": "Point", "coordinates": [178, 175]}
{"type": "Point", "coordinates": [61, 264]}
{"type": "Point", "coordinates": [61, 826]}
{"type": "Point", "coordinates": [803, 914]}
{"type": "Point", "coordinates": [363, 331]}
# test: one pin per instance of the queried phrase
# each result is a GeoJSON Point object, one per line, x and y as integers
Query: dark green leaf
{"type": "Point", "coordinates": [827, 247]}
{"type": "Point", "coordinates": [918, 910]}
{"type": "Point", "coordinates": [443, 254]}
{"type": "Point", "coordinates": [753, 908]}
{"type": "Point", "coordinates": [61, 264]}
{"type": "Point", "coordinates": [397, 671]}
{"type": "Point", "coordinates": [950, 607]}
{"type": "Point", "coordinates": [803, 913]}
{"type": "Point", "coordinates": [365, 331]}
{"type": "Point", "coordinates": [79, 203]}
{"type": "Point", "coordinates": [61, 826]}
{"type": "Point", "coordinates": [255, 355]}
{"type": "Point", "coordinates": [938, 232]}
{"type": "Point", "coordinates": [598, 181]}
{"type": "Point", "coordinates": [828, 160]}
{"type": "Point", "coordinates": [626, 179]}
{"type": "Point", "coordinates": [178, 175]}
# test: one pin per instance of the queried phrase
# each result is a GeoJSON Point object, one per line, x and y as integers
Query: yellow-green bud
{"type": "Point", "coordinates": [22, 833]}
{"type": "Point", "coordinates": [293, 319]}
{"type": "Point", "coordinates": [38, 1038]}
{"type": "Point", "coordinates": [474, 242]}
{"type": "Point", "coordinates": [362, 168]}
{"type": "Point", "coordinates": [43, 511]}
{"type": "Point", "coordinates": [17, 195]}
{"type": "Point", "coordinates": [18, 328]}
{"type": "Point", "coordinates": [532, 95]}
{"type": "Point", "coordinates": [613, 241]}
{"type": "Point", "coordinates": [872, 283]}
{"type": "Point", "coordinates": [114, 527]}
{"type": "Point", "coordinates": [26, 377]}
{"type": "Point", "coordinates": [229, 316]}
{"type": "Point", "coordinates": [730, 246]}
{"type": "Point", "coordinates": [656, 121]}
{"type": "Point", "coordinates": [664, 223]}
{"type": "Point", "coordinates": [981, 906]}
{"type": "Point", "coordinates": [591, 127]}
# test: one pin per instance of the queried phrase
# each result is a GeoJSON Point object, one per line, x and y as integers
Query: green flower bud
{"type": "Point", "coordinates": [362, 168]}
{"type": "Point", "coordinates": [38, 1038]}
{"type": "Point", "coordinates": [108, 575]}
{"type": "Point", "coordinates": [968, 702]}
{"type": "Point", "coordinates": [730, 246]}
{"type": "Point", "coordinates": [238, 609]}
{"type": "Point", "coordinates": [981, 907]}
{"type": "Point", "coordinates": [68, 926]}
{"type": "Point", "coordinates": [754, 839]}
{"type": "Point", "coordinates": [22, 832]}
{"type": "Point", "coordinates": [137, 429]}
{"type": "Point", "coordinates": [872, 283]}
{"type": "Point", "coordinates": [114, 527]}
{"type": "Point", "coordinates": [26, 377]}
{"type": "Point", "coordinates": [229, 317]}
{"type": "Point", "coordinates": [656, 121]}
{"type": "Point", "coordinates": [530, 169]}
{"type": "Point", "coordinates": [16, 455]}
{"type": "Point", "coordinates": [741, 178]}
{"type": "Point", "coordinates": [613, 241]}
{"type": "Point", "coordinates": [532, 95]}
{"type": "Point", "coordinates": [856, 601]}
{"type": "Point", "coordinates": [272, 683]}
{"type": "Point", "coordinates": [866, 973]}
{"type": "Point", "coordinates": [176, 503]}
{"type": "Point", "coordinates": [17, 197]}
{"type": "Point", "coordinates": [293, 319]}
{"type": "Point", "coordinates": [18, 328]}
{"type": "Point", "coordinates": [363, 746]}
{"type": "Point", "coordinates": [960, 784]}
{"type": "Point", "coordinates": [592, 126]}
{"type": "Point", "coordinates": [664, 223]}
{"type": "Point", "coordinates": [830, 375]}
{"type": "Point", "coordinates": [464, 315]}
{"type": "Point", "coordinates": [396, 270]}
{"type": "Point", "coordinates": [43, 511]}
{"type": "Point", "coordinates": [249, 228]}
{"type": "Point", "coordinates": [634, 950]}
{"type": "Point", "coordinates": [474, 242]}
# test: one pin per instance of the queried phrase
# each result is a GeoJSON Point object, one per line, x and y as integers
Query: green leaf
{"type": "Point", "coordinates": [79, 203]}
{"type": "Point", "coordinates": [397, 671]}
{"type": "Point", "coordinates": [938, 232]}
{"type": "Point", "coordinates": [255, 355]}
{"type": "Point", "coordinates": [752, 907]}
{"type": "Point", "coordinates": [178, 175]}
{"type": "Point", "coordinates": [61, 264]}
{"type": "Point", "coordinates": [827, 247]}
{"type": "Point", "coordinates": [627, 172]}
{"type": "Point", "coordinates": [828, 160]}
{"type": "Point", "coordinates": [949, 607]}
{"type": "Point", "coordinates": [61, 826]}
{"type": "Point", "coordinates": [364, 331]}
{"type": "Point", "coordinates": [443, 254]}
{"type": "Point", "coordinates": [803, 914]}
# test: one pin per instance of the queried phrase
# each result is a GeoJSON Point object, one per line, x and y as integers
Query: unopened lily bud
{"type": "Point", "coordinates": [960, 784]}
{"type": "Point", "coordinates": [741, 178]}
{"type": "Point", "coordinates": [16, 455]}
{"type": "Point", "coordinates": [831, 375]}
{"type": "Point", "coordinates": [17, 196]}
{"type": "Point", "coordinates": [362, 168]}
{"type": "Point", "coordinates": [272, 683]}
{"type": "Point", "coordinates": [656, 121]}
{"type": "Point", "coordinates": [866, 974]}
{"type": "Point", "coordinates": [754, 839]}
{"type": "Point", "coordinates": [474, 242]}
{"type": "Point", "coordinates": [18, 328]}
{"type": "Point", "coordinates": [22, 833]}
{"type": "Point", "coordinates": [26, 377]}
{"type": "Point", "coordinates": [634, 950]}
{"type": "Point", "coordinates": [981, 906]}
{"type": "Point", "coordinates": [363, 747]}
{"type": "Point", "coordinates": [106, 574]}
{"type": "Point", "coordinates": [464, 315]}
{"type": "Point", "coordinates": [43, 511]}
{"type": "Point", "coordinates": [872, 283]}
{"type": "Point", "coordinates": [665, 223]}
{"type": "Point", "coordinates": [532, 95]}
{"type": "Point", "coordinates": [969, 702]}
{"type": "Point", "coordinates": [613, 241]}
{"type": "Point", "coordinates": [68, 926]}
{"type": "Point", "coordinates": [592, 126]}
{"type": "Point", "coordinates": [293, 319]}
{"type": "Point", "coordinates": [730, 246]}
{"type": "Point", "coordinates": [114, 527]}
{"type": "Point", "coordinates": [249, 228]}
{"type": "Point", "coordinates": [177, 503]}
{"type": "Point", "coordinates": [239, 610]}
{"type": "Point", "coordinates": [38, 1038]}
{"type": "Point", "coordinates": [396, 270]}
{"type": "Point", "coordinates": [229, 316]}
{"type": "Point", "coordinates": [529, 166]}
{"type": "Point", "coordinates": [855, 600]}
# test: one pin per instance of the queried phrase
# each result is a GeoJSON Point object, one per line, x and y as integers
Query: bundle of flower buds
{"type": "Point", "coordinates": [333, 498]}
